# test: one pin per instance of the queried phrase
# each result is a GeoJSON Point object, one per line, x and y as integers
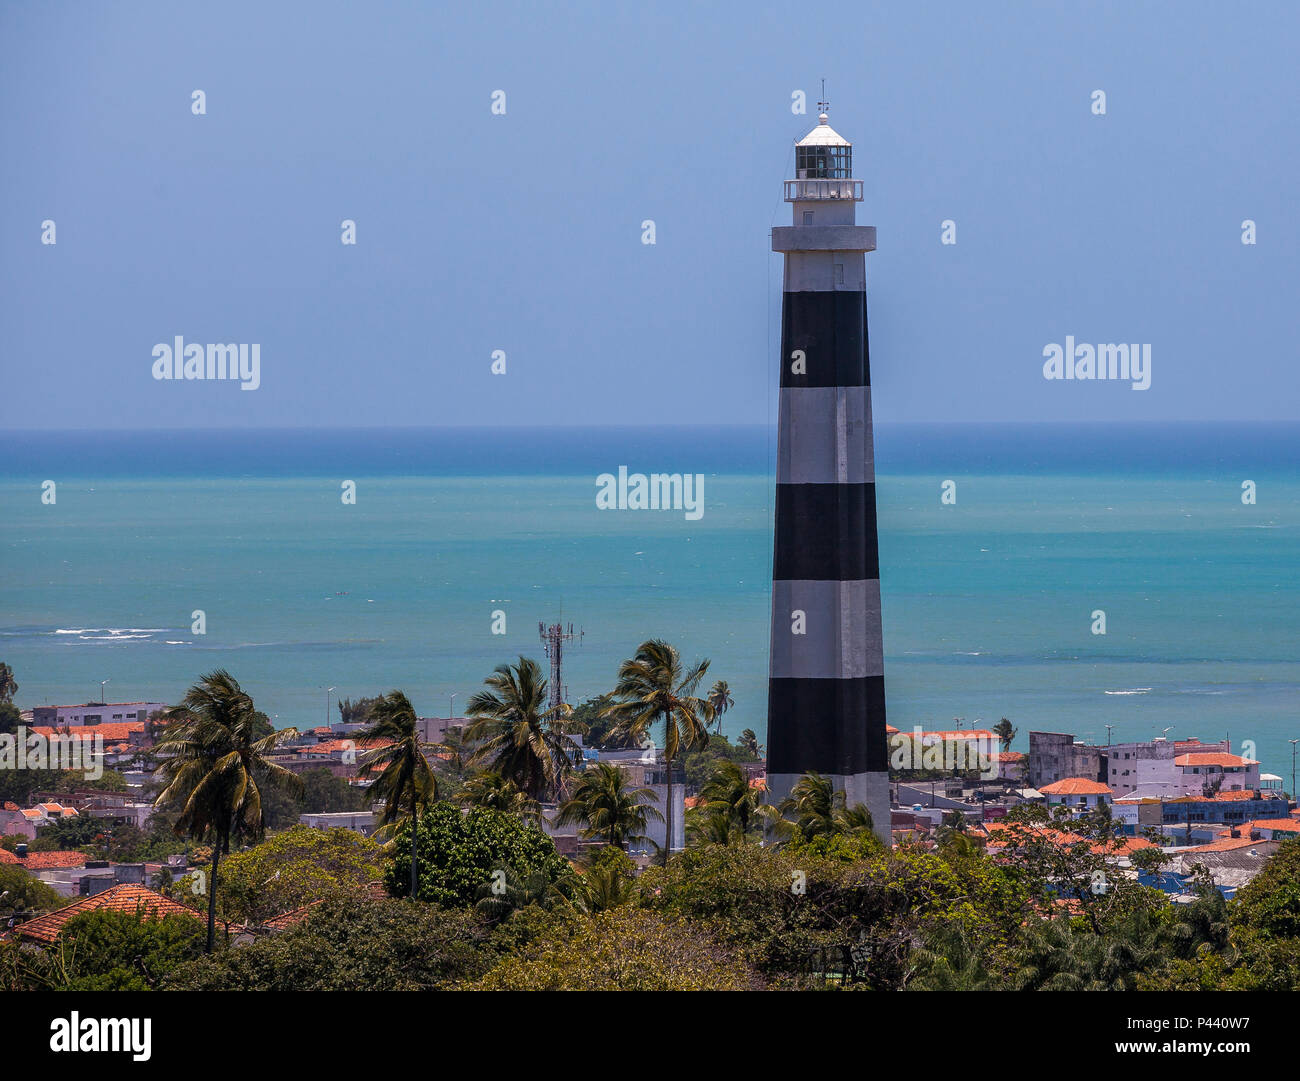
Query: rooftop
{"type": "Point", "coordinates": [1076, 786]}
{"type": "Point", "coordinates": [122, 898]}
{"type": "Point", "coordinates": [823, 135]}
{"type": "Point", "coordinates": [1213, 758]}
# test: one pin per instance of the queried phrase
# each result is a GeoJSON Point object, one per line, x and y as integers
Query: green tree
{"type": "Point", "coordinates": [404, 782]}
{"type": "Point", "coordinates": [8, 685]}
{"type": "Point", "coordinates": [17, 785]}
{"type": "Point", "coordinates": [1006, 732]}
{"type": "Point", "coordinates": [1270, 903]}
{"type": "Point", "coordinates": [110, 781]}
{"type": "Point", "coordinates": [607, 880]}
{"type": "Point", "coordinates": [10, 718]}
{"type": "Point", "coordinates": [652, 687]}
{"type": "Point", "coordinates": [211, 762]}
{"type": "Point", "coordinates": [294, 867]}
{"type": "Point", "coordinates": [608, 807]}
{"type": "Point", "coordinates": [728, 809]}
{"type": "Point", "coordinates": [720, 701]}
{"type": "Point", "coordinates": [517, 735]}
{"type": "Point", "coordinates": [600, 731]}
{"type": "Point", "coordinates": [104, 950]}
{"type": "Point", "coordinates": [351, 712]}
{"type": "Point", "coordinates": [350, 945]}
{"type": "Point", "coordinates": [459, 851]}
{"type": "Point", "coordinates": [750, 746]}
{"type": "Point", "coordinates": [491, 790]}
{"type": "Point", "coordinates": [816, 808]}
{"type": "Point", "coordinates": [625, 949]}
{"type": "Point", "coordinates": [322, 792]}
{"type": "Point", "coordinates": [22, 896]}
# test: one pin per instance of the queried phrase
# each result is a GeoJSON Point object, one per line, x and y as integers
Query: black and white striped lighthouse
{"type": "Point", "coordinates": [826, 688]}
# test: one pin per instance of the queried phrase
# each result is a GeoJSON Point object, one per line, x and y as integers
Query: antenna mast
{"type": "Point", "coordinates": [554, 637]}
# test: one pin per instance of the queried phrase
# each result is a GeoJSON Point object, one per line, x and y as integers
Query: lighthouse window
{"type": "Point", "coordinates": [823, 162]}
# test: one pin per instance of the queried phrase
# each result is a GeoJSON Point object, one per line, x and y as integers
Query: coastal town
{"type": "Point", "coordinates": [1185, 820]}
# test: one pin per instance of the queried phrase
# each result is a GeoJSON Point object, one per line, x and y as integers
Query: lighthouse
{"type": "Point", "coordinates": [826, 686]}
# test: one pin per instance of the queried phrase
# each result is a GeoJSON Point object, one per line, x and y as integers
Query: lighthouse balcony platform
{"type": "Point", "coordinates": [798, 191]}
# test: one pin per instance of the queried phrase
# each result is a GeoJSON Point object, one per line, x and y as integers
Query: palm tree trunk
{"type": "Point", "coordinates": [415, 844]}
{"type": "Point", "coordinates": [668, 816]}
{"type": "Point", "coordinates": [212, 892]}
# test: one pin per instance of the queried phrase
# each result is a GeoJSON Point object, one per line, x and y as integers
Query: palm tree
{"type": "Point", "coordinates": [728, 806]}
{"type": "Point", "coordinates": [608, 806]}
{"type": "Point", "coordinates": [653, 687]}
{"type": "Point", "coordinates": [489, 789]}
{"type": "Point", "coordinates": [8, 685]}
{"type": "Point", "coordinates": [518, 735]}
{"type": "Point", "coordinates": [212, 763]}
{"type": "Point", "coordinates": [819, 809]}
{"type": "Point", "coordinates": [405, 781]}
{"type": "Point", "coordinates": [720, 701]}
{"type": "Point", "coordinates": [750, 745]}
{"type": "Point", "coordinates": [1006, 732]}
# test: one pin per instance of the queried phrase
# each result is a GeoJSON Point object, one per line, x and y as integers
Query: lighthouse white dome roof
{"type": "Point", "coordinates": [823, 135]}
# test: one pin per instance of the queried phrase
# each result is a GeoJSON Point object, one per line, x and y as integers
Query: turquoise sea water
{"type": "Point", "coordinates": [987, 603]}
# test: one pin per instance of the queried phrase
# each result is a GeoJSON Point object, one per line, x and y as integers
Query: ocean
{"type": "Point", "coordinates": [988, 601]}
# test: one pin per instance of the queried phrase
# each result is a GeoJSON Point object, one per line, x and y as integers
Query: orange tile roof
{"type": "Point", "coordinates": [1285, 825]}
{"type": "Point", "coordinates": [1064, 837]}
{"type": "Point", "coordinates": [1211, 758]}
{"type": "Point", "coordinates": [45, 861]}
{"type": "Point", "coordinates": [334, 746]}
{"type": "Point", "coordinates": [1009, 756]}
{"type": "Point", "coordinates": [286, 920]}
{"type": "Point", "coordinates": [122, 898]}
{"type": "Point", "coordinates": [115, 732]}
{"type": "Point", "coordinates": [961, 733]}
{"type": "Point", "coordinates": [1225, 844]}
{"type": "Point", "coordinates": [10, 805]}
{"type": "Point", "coordinates": [1076, 786]}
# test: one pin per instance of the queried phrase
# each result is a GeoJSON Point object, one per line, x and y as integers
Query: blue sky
{"type": "Point", "coordinates": [522, 232]}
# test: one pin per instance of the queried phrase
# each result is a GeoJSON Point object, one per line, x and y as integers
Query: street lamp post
{"type": "Point", "coordinates": [102, 700]}
{"type": "Point", "coordinates": [1108, 728]}
{"type": "Point", "coordinates": [1294, 798]}
{"type": "Point", "coordinates": [451, 702]}
{"type": "Point", "coordinates": [327, 705]}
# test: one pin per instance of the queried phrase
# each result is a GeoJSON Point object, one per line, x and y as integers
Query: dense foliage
{"type": "Point", "coordinates": [459, 851]}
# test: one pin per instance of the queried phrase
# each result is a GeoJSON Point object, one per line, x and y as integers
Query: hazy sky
{"type": "Point", "coordinates": [522, 232]}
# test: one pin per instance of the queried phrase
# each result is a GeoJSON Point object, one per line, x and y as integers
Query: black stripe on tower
{"type": "Point", "coordinates": [853, 743]}
{"type": "Point", "coordinates": [831, 329]}
{"type": "Point", "coordinates": [825, 533]}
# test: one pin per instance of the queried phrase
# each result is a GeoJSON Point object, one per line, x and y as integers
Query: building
{"type": "Point", "coordinates": [1054, 756]}
{"type": "Point", "coordinates": [826, 691]}
{"type": "Point", "coordinates": [91, 713]}
{"type": "Point", "coordinates": [647, 771]}
{"type": "Point", "coordinates": [363, 822]}
{"type": "Point", "coordinates": [1266, 829]}
{"type": "Point", "coordinates": [1146, 768]}
{"type": "Point", "coordinates": [435, 729]}
{"type": "Point", "coordinates": [1216, 772]}
{"type": "Point", "coordinates": [1080, 793]}
{"type": "Point", "coordinates": [1197, 816]}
